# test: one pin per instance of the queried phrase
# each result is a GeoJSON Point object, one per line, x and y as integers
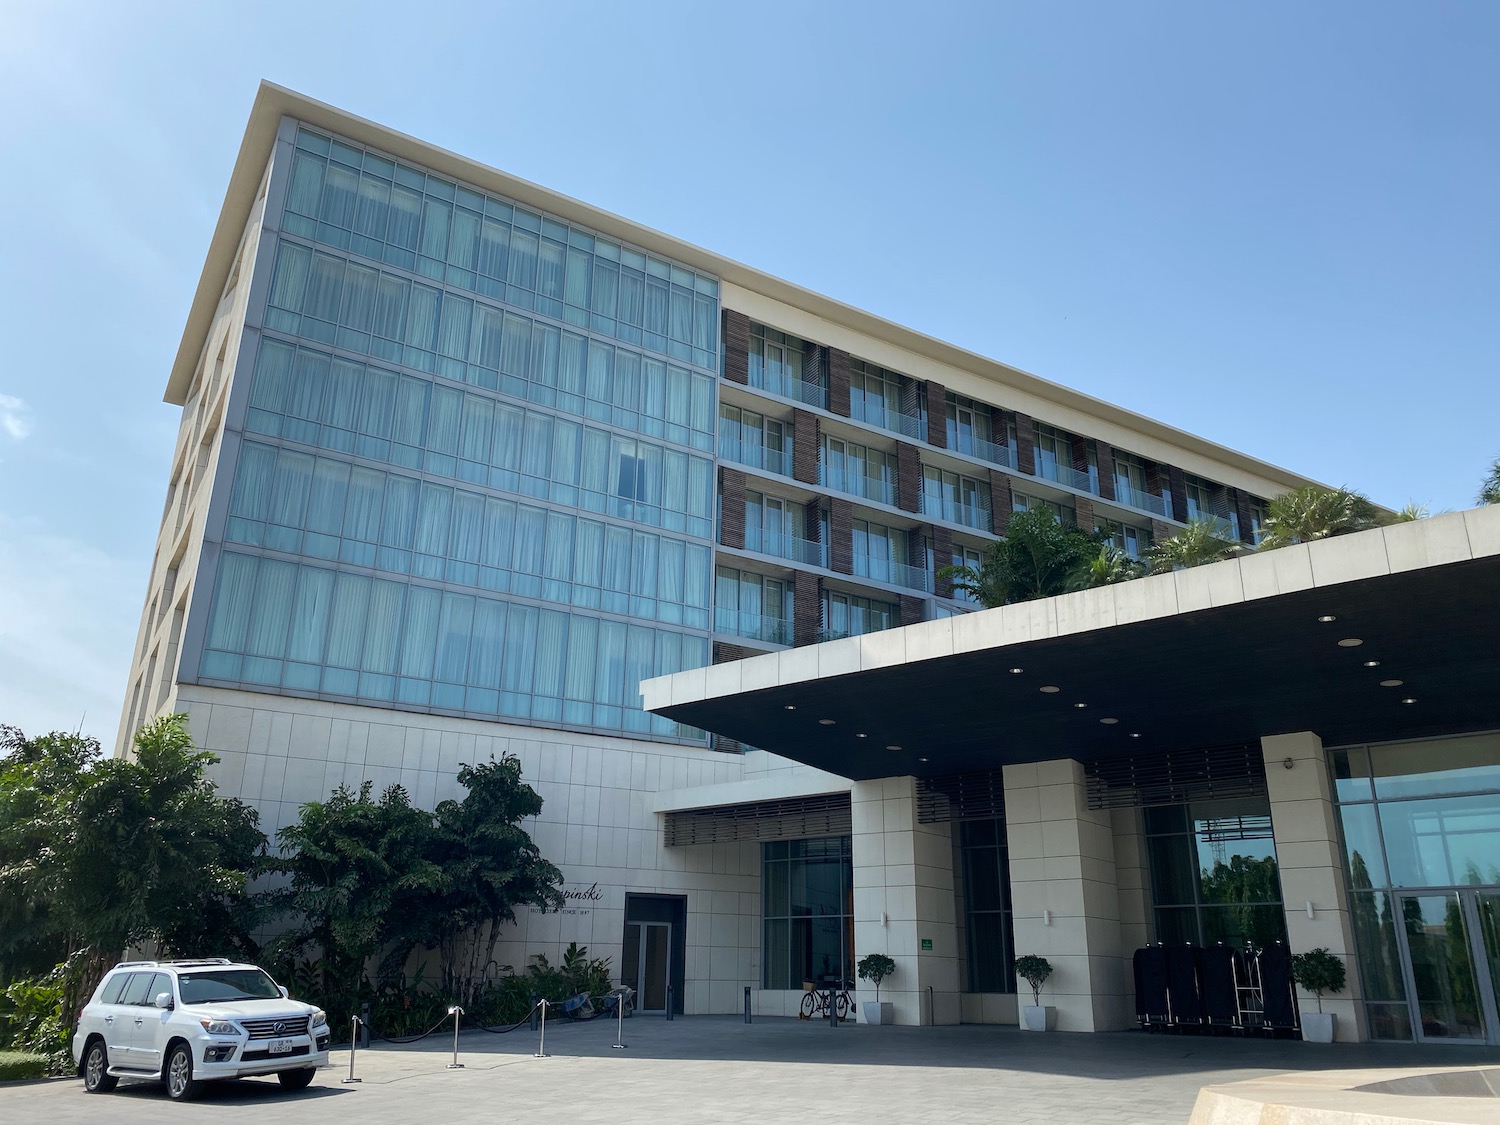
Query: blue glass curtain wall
{"type": "Point", "coordinates": [315, 398]}
{"type": "Point", "coordinates": [345, 196]}
{"type": "Point", "coordinates": [326, 298]}
{"type": "Point", "coordinates": [326, 508]}
{"type": "Point", "coordinates": [313, 629]}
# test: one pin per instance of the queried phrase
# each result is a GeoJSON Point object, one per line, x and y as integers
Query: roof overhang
{"type": "Point", "coordinates": [1221, 654]}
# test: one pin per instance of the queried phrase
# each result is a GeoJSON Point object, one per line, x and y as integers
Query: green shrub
{"type": "Point", "coordinates": [875, 967]}
{"type": "Point", "coordinates": [32, 1019]}
{"type": "Point", "coordinates": [1034, 971]}
{"type": "Point", "coordinates": [1318, 971]}
{"type": "Point", "coordinates": [18, 1065]}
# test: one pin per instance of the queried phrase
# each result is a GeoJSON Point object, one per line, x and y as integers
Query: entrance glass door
{"type": "Point", "coordinates": [648, 947]}
{"type": "Point", "coordinates": [1452, 944]}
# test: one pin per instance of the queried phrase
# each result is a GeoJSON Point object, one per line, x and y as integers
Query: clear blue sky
{"type": "Point", "coordinates": [1272, 224]}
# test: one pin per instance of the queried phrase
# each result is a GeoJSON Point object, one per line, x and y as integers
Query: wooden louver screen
{"type": "Point", "coordinates": [800, 817]}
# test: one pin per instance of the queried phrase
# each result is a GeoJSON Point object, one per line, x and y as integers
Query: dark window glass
{"type": "Point", "coordinates": [807, 900]}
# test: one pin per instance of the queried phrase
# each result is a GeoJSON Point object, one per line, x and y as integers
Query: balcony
{"type": "Point", "coordinates": [1221, 527]}
{"type": "Point", "coordinates": [1134, 497]}
{"type": "Point", "coordinates": [1048, 469]}
{"type": "Point", "coordinates": [975, 515]}
{"type": "Point", "coordinates": [788, 386]}
{"type": "Point", "coordinates": [753, 626]}
{"type": "Point", "coordinates": [878, 489]}
{"type": "Point", "coordinates": [892, 420]}
{"type": "Point", "coordinates": [1002, 455]}
{"type": "Point", "coordinates": [756, 456]}
{"type": "Point", "coordinates": [789, 547]}
{"type": "Point", "coordinates": [888, 570]}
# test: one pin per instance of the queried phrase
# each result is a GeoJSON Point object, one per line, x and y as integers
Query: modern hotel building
{"type": "Point", "coordinates": [464, 462]}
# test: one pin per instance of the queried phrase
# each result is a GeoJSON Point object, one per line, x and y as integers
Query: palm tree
{"type": "Point", "coordinates": [1310, 513]}
{"type": "Point", "coordinates": [1194, 545]}
{"type": "Point", "coordinates": [1489, 491]}
{"type": "Point", "coordinates": [1411, 513]}
{"type": "Point", "coordinates": [1109, 566]}
{"type": "Point", "coordinates": [1038, 558]}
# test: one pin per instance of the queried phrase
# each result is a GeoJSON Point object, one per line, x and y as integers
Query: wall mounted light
{"type": "Point", "coordinates": [1309, 906]}
{"type": "Point", "coordinates": [1288, 763]}
{"type": "Point", "coordinates": [1046, 917]}
{"type": "Point", "coordinates": [884, 919]}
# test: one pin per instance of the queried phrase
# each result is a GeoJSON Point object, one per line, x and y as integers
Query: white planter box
{"type": "Point", "coordinates": [1035, 1018]}
{"type": "Point", "coordinates": [879, 1011]}
{"type": "Point", "coordinates": [1318, 1027]}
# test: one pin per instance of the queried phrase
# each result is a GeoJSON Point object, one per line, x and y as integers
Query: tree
{"type": "Point", "coordinates": [1310, 513]}
{"type": "Point", "coordinates": [101, 855]}
{"type": "Point", "coordinates": [1107, 568]}
{"type": "Point", "coordinates": [1489, 490]}
{"type": "Point", "coordinates": [1038, 558]}
{"type": "Point", "coordinates": [356, 869]}
{"type": "Point", "coordinates": [1196, 544]}
{"type": "Point", "coordinates": [489, 867]}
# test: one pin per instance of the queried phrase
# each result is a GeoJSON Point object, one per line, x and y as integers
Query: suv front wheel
{"type": "Point", "coordinates": [180, 1084]}
{"type": "Point", "coordinates": [96, 1076]}
{"type": "Point", "coordinates": [296, 1079]}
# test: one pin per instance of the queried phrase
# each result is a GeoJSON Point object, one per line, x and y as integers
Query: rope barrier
{"type": "Point", "coordinates": [406, 1040]}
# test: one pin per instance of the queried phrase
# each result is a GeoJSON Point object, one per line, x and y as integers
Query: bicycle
{"type": "Point", "coordinates": [815, 1001]}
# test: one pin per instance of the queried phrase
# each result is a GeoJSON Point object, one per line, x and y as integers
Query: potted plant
{"type": "Point", "coordinates": [875, 967]}
{"type": "Point", "coordinates": [1034, 971]}
{"type": "Point", "coordinates": [1318, 971]}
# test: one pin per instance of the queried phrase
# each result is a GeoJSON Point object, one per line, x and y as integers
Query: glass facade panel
{"type": "Point", "coordinates": [1213, 873]}
{"type": "Point", "coordinates": [987, 910]}
{"type": "Point", "coordinates": [1422, 816]}
{"type": "Point", "coordinates": [808, 905]}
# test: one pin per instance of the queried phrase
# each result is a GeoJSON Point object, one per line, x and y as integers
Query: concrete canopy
{"type": "Point", "coordinates": [1218, 655]}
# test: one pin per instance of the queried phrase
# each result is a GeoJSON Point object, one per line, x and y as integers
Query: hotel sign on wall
{"type": "Point", "coordinates": [579, 899]}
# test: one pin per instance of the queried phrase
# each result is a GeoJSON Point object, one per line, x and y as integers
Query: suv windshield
{"type": "Point", "coordinates": [221, 986]}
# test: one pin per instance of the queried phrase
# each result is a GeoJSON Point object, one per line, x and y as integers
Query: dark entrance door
{"type": "Point", "coordinates": [653, 956]}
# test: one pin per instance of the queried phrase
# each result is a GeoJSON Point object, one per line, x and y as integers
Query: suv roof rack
{"type": "Point", "coordinates": [200, 961]}
{"type": "Point", "coordinates": [134, 964]}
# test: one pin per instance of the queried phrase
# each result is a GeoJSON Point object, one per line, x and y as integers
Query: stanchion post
{"type": "Point", "coordinates": [535, 1007]}
{"type": "Point", "coordinates": [455, 1011]}
{"type": "Point", "coordinates": [669, 1001]}
{"type": "Point", "coordinates": [747, 1003]}
{"type": "Point", "coordinates": [353, 1046]}
{"type": "Point", "coordinates": [541, 1047]}
{"type": "Point", "coordinates": [619, 1043]}
{"type": "Point", "coordinates": [833, 1011]}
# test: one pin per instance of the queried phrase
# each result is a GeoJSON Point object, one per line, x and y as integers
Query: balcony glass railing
{"type": "Point", "coordinates": [1048, 469]}
{"type": "Point", "coordinates": [786, 547]}
{"type": "Point", "coordinates": [976, 516]}
{"type": "Point", "coordinates": [1003, 455]}
{"type": "Point", "coordinates": [892, 420]}
{"type": "Point", "coordinates": [788, 386]}
{"type": "Point", "coordinates": [878, 489]}
{"type": "Point", "coordinates": [771, 630]}
{"type": "Point", "coordinates": [778, 461]}
{"type": "Point", "coordinates": [888, 570]}
{"type": "Point", "coordinates": [1125, 494]}
{"type": "Point", "coordinates": [843, 634]}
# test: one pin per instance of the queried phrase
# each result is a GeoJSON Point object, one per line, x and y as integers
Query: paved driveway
{"type": "Point", "coordinates": [715, 1069]}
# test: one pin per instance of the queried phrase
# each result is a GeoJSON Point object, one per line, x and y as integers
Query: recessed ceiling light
{"type": "Point", "coordinates": [1109, 722]}
{"type": "Point", "coordinates": [1351, 642]}
{"type": "Point", "coordinates": [1080, 706]}
{"type": "Point", "coordinates": [1135, 736]}
{"type": "Point", "coordinates": [1327, 617]}
{"type": "Point", "coordinates": [893, 746]}
{"type": "Point", "coordinates": [921, 759]}
{"type": "Point", "coordinates": [1050, 689]}
{"type": "Point", "coordinates": [1017, 671]}
{"type": "Point", "coordinates": [826, 722]}
{"type": "Point", "coordinates": [1372, 664]}
{"type": "Point", "coordinates": [1408, 699]}
{"type": "Point", "coordinates": [861, 734]}
{"type": "Point", "coordinates": [1391, 683]}
{"type": "Point", "coordinates": [788, 706]}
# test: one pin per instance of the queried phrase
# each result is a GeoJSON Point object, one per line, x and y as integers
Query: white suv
{"type": "Point", "coordinates": [187, 1022]}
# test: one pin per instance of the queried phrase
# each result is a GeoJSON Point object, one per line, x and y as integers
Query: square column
{"type": "Point", "coordinates": [1305, 824]}
{"type": "Point", "coordinates": [903, 898]}
{"type": "Point", "coordinates": [1064, 897]}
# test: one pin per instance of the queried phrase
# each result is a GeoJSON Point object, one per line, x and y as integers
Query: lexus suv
{"type": "Point", "coordinates": [189, 1022]}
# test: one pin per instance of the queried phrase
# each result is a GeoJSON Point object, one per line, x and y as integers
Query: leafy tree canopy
{"type": "Point", "coordinates": [1039, 557]}
{"type": "Point", "coordinates": [1310, 513]}
{"type": "Point", "coordinates": [1489, 491]}
{"type": "Point", "coordinates": [1196, 544]}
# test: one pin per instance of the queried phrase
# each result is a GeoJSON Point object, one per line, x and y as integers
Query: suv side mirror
{"type": "Point", "coordinates": [285, 995]}
{"type": "Point", "coordinates": [164, 1001]}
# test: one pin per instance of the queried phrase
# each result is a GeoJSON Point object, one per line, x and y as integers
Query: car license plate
{"type": "Point", "coordinates": [281, 1046]}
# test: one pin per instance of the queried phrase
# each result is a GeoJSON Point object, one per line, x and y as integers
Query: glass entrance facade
{"type": "Point", "coordinates": [1421, 833]}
